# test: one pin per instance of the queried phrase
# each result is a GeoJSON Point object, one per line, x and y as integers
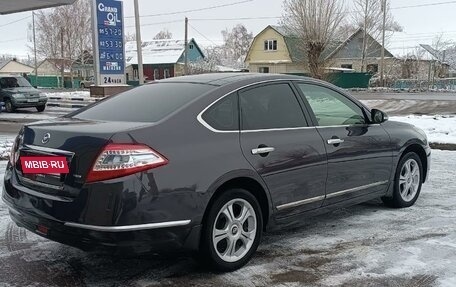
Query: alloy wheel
{"type": "Point", "coordinates": [234, 230]}
{"type": "Point", "coordinates": [409, 180]}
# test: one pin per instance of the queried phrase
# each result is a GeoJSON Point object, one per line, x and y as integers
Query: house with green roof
{"type": "Point", "coordinates": [274, 50]}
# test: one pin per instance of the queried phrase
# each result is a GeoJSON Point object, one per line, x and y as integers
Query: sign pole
{"type": "Point", "coordinates": [139, 44]}
{"type": "Point", "coordinates": [96, 54]}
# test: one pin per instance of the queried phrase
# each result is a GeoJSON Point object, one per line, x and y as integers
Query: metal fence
{"type": "Point", "coordinates": [448, 84]}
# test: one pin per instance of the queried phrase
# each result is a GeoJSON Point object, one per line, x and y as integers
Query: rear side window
{"type": "Point", "coordinates": [270, 107]}
{"type": "Point", "coordinates": [224, 114]}
{"type": "Point", "coordinates": [148, 103]}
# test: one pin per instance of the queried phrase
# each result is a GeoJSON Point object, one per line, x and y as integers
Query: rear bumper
{"type": "Point", "coordinates": [136, 241]}
{"type": "Point", "coordinates": [103, 221]}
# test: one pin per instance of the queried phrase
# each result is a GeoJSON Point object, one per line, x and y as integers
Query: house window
{"type": "Point", "coordinates": [191, 46]}
{"type": "Point", "coordinates": [263, 69]}
{"type": "Point", "coordinates": [372, 68]}
{"type": "Point", "coordinates": [156, 74]}
{"type": "Point", "coordinates": [167, 74]}
{"type": "Point", "coordinates": [346, 66]}
{"type": "Point", "coordinates": [270, 45]}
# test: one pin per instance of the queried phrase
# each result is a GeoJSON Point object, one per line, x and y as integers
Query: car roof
{"type": "Point", "coordinates": [9, 76]}
{"type": "Point", "coordinates": [221, 79]}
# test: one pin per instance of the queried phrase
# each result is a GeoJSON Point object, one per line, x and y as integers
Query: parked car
{"type": "Point", "coordinates": [87, 82]}
{"type": "Point", "coordinates": [208, 163]}
{"type": "Point", "coordinates": [16, 92]}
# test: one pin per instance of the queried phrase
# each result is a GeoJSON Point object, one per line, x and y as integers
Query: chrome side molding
{"type": "Point", "coordinates": [124, 228]}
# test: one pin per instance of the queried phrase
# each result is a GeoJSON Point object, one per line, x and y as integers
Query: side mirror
{"type": "Point", "coordinates": [378, 116]}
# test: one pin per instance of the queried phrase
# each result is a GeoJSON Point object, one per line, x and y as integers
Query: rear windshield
{"type": "Point", "coordinates": [148, 103]}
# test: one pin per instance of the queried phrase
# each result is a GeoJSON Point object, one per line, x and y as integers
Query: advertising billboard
{"type": "Point", "coordinates": [109, 42]}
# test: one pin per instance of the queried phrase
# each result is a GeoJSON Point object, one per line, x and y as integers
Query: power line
{"type": "Point", "coordinates": [156, 23]}
{"type": "Point", "coordinates": [193, 10]}
{"type": "Point", "coordinates": [424, 5]}
{"type": "Point", "coordinates": [202, 35]}
{"type": "Point", "coordinates": [234, 19]}
{"type": "Point", "coordinates": [15, 21]}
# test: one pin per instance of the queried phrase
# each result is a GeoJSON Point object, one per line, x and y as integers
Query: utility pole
{"type": "Point", "coordinates": [62, 61]}
{"type": "Point", "coordinates": [139, 44]}
{"type": "Point", "coordinates": [186, 47]}
{"type": "Point", "coordinates": [34, 48]}
{"type": "Point", "coordinates": [363, 61]}
{"type": "Point", "coordinates": [382, 67]}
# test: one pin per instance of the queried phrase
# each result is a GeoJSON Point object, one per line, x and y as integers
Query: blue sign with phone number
{"type": "Point", "coordinates": [110, 37]}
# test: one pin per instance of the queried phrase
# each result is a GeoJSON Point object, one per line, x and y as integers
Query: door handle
{"type": "Point", "coordinates": [335, 141]}
{"type": "Point", "coordinates": [262, 150]}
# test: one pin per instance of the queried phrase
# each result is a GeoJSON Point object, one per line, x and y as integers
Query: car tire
{"type": "Point", "coordinates": [407, 182]}
{"type": "Point", "coordinates": [9, 107]}
{"type": "Point", "coordinates": [232, 230]}
{"type": "Point", "coordinates": [41, 108]}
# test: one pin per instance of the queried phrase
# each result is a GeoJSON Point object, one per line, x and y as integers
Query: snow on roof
{"type": "Point", "coordinates": [155, 51]}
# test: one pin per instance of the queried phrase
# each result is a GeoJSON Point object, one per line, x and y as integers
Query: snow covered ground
{"type": "Point", "coordinates": [365, 245]}
{"type": "Point", "coordinates": [68, 95]}
{"type": "Point", "coordinates": [439, 129]}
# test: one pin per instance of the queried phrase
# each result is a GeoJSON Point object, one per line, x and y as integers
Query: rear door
{"type": "Point", "coordinates": [359, 153]}
{"type": "Point", "coordinates": [278, 142]}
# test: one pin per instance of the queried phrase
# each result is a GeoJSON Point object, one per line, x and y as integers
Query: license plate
{"type": "Point", "coordinates": [32, 101]}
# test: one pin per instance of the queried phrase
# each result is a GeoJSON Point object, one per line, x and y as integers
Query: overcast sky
{"type": "Point", "coordinates": [421, 24]}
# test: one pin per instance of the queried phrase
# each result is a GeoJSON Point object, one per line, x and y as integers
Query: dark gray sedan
{"type": "Point", "coordinates": [207, 163]}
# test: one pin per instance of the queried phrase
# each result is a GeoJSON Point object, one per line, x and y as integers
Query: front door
{"type": "Point", "coordinates": [287, 153]}
{"type": "Point", "coordinates": [359, 153]}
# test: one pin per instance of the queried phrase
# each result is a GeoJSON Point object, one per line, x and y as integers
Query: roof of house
{"type": "Point", "coordinates": [371, 50]}
{"type": "Point", "coordinates": [447, 56]}
{"type": "Point", "coordinates": [298, 53]}
{"type": "Point", "coordinates": [294, 46]}
{"type": "Point", "coordinates": [6, 62]}
{"type": "Point", "coordinates": [166, 51]}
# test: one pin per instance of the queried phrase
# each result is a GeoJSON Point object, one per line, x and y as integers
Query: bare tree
{"type": "Point", "coordinates": [65, 29]}
{"type": "Point", "coordinates": [163, 35]}
{"type": "Point", "coordinates": [315, 23]}
{"type": "Point", "coordinates": [129, 37]}
{"type": "Point", "coordinates": [236, 45]}
{"type": "Point", "coordinates": [369, 17]}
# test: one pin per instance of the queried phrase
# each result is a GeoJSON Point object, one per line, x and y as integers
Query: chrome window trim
{"type": "Point", "coordinates": [331, 195]}
{"type": "Point", "coordinates": [209, 127]}
{"type": "Point", "coordinates": [124, 228]}
{"type": "Point", "coordinates": [275, 130]}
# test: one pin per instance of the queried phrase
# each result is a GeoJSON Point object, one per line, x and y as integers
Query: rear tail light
{"type": "Point", "coordinates": [117, 160]}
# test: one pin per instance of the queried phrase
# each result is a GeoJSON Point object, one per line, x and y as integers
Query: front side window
{"type": "Point", "coordinates": [224, 114]}
{"type": "Point", "coordinates": [330, 107]}
{"type": "Point", "coordinates": [270, 107]}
